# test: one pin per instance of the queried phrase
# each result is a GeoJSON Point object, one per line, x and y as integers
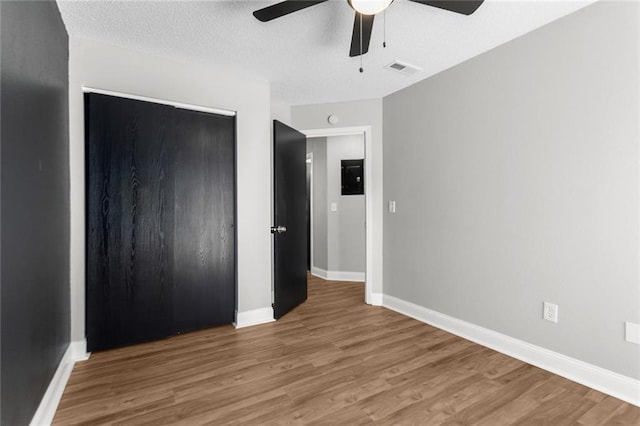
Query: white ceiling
{"type": "Point", "coordinates": [305, 54]}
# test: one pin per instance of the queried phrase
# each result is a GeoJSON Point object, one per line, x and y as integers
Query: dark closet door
{"type": "Point", "coordinates": [204, 251]}
{"type": "Point", "coordinates": [160, 221]}
{"type": "Point", "coordinates": [130, 224]}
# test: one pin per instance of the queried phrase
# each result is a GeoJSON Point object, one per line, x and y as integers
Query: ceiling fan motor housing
{"type": "Point", "coordinates": [369, 7]}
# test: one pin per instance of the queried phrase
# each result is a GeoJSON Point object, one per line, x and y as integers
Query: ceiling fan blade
{"type": "Point", "coordinates": [466, 7]}
{"type": "Point", "coordinates": [367, 26]}
{"type": "Point", "coordinates": [283, 8]}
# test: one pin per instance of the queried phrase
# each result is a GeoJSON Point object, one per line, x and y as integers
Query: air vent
{"type": "Point", "coordinates": [403, 68]}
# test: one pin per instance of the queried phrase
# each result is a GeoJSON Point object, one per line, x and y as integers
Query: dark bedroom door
{"type": "Point", "coordinates": [290, 233]}
{"type": "Point", "coordinates": [160, 199]}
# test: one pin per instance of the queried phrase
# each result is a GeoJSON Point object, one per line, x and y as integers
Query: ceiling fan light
{"type": "Point", "coordinates": [369, 7]}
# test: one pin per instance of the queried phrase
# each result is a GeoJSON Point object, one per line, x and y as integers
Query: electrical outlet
{"type": "Point", "coordinates": [550, 312]}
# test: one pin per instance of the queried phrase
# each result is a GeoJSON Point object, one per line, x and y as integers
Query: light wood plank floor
{"type": "Point", "coordinates": [333, 360]}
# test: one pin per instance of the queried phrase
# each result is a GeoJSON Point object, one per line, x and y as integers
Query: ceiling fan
{"type": "Point", "coordinates": [365, 12]}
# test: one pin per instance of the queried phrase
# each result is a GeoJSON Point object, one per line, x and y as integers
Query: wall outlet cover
{"type": "Point", "coordinates": [550, 312]}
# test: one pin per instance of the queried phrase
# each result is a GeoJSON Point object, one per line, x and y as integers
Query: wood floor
{"type": "Point", "coordinates": [333, 360]}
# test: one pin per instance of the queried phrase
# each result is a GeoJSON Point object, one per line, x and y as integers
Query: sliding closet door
{"type": "Point", "coordinates": [130, 223]}
{"type": "Point", "coordinates": [204, 237]}
{"type": "Point", "coordinates": [160, 221]}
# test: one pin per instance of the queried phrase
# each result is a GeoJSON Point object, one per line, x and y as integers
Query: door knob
{"type": "Point", "coordinates": [278, 229]}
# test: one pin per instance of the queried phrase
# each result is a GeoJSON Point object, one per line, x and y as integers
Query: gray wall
{"type": "Point", "coordinates": [318, 146]}
{"type": "Point", "coordinates": [345, 227]}
{"type": "Point", "coordinates": [35, 204]}
{"type": "Point", "coordinates": [516, 181]}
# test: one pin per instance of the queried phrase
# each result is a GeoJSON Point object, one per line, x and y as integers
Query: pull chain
{"type": "Point", "coordinates": [384, 28]}
{"type": "Point", "coordinates": [361, 69]}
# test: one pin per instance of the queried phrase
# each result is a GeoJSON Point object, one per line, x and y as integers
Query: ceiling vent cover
{"type": "Point", "coordinates": [403, 68]}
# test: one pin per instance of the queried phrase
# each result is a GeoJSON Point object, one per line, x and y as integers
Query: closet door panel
{"type": "Point", "coordinates": [204, 244]}
{"type": "Point", "coordinates": [130, 221]}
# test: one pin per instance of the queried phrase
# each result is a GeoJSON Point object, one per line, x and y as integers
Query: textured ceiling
{"type": "Point", "coordinates": [305, 54]}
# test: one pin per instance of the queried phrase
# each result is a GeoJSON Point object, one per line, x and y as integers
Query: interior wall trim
{"type": "Point", "coordinates": [310, 168]}
{"type": "Point", "coordinates": [376, 299]}
{"type": "Point", "coordinates": [600, 379]}
{"type": "Point", "coordinates": [254, 317]}
{"type": "Point", "coordinates": [338, 275]}
{"type": "Point", "coordinates": [76, 351]}
{"type": "Point", "coordinates": [319, 272]}
{"type": "Point", "coordinates": [180, 105]}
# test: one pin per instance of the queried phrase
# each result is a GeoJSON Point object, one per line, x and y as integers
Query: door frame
{"type": "Point", "coordinates": [181, 105]}
{"type": "Point", "coordinates": [365, 131]}
{"type": "Point", "coordinates": [310, 242]}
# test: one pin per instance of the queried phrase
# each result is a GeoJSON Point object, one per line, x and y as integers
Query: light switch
{"type": "Point", "coordinates": [334, 207]}
{"type": "Point", "coordinates": [632, 332]}
{"type": "Point", "coordinates": [392, 206]}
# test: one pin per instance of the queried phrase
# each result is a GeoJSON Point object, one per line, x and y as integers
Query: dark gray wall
{"type": "Point", "coordinates": [35, 203]}
{"type": "Point", "coordinates": [516, 181]}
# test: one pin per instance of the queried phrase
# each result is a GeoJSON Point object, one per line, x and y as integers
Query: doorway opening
{"type": "Point", "coordinates": [346, 215]}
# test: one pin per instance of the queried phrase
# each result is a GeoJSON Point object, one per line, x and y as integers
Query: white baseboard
{"type": "Point", "coordinates": [79, 350]}
{"type": "Point", "coordinates": [345, 276]}
{"type": "Point", "coordinates": [253, 317]}
{"type": "Point", "coordinates": [338, 275]}
{"type": "Point", "coordinates": [376, 299]}
{"type": "Point", "coordinates": [606, 381]}
{"type": "Point", "coordinates": [320, 273]}
{"type": "Point", "coordinates": [76, 351]}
